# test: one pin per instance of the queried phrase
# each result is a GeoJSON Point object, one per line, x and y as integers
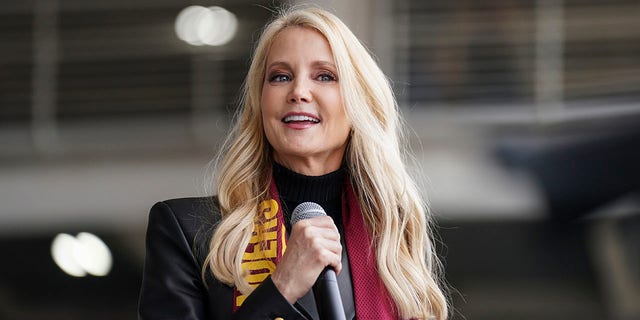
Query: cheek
{"type": "Point", "coordinates": [268, 107]}
{"type": "Point", "coordinates": [265, 104]}
{"type": "Point", "coordinates": [345, 130]}
{"type": "Point", "coordinates": [267, 126]}
{"type": "Point", "coordinates": [265, 111]}
{"type": "Point", "coordinates": [270, 135]}
{"type": "Point", "coordinates": [342, 124]}
{"type": "Point", "coordinates": [271, 101]}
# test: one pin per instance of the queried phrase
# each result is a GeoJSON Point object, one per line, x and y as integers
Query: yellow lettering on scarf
{"type": "Point", "coordinates": [258, 261]}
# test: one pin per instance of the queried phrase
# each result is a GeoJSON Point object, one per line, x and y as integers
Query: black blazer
{"type": "Point", "coordinates": [177, 243]}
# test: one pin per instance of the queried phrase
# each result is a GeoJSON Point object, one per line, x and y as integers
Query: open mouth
{"type": "Point", "coordinates": [300, 118]}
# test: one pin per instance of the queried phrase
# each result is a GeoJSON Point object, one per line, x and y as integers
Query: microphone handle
{"type": "Point", "coordinates": [327, 296]}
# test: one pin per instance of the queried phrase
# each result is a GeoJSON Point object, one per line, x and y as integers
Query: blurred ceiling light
{"type": "Point", "coordinates": [63, 252]}
{"type": "Point", "coordinates": [214, 26]}
{"type": "Point", "coordinates": [92, 254]}
{"type": "Point", "coordinates": [187, 23]}
{"type": "Point", "coordinates": [85, 253]}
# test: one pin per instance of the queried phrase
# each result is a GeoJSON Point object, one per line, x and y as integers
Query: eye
{"type": "Point", "coordinates": [279, 77]}
{"type": "Point", "coordinates": [326, 76]}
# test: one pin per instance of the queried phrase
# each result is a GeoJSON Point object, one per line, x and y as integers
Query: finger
{"type": "Point", "coordinates": [328, 252]}
{"type": "Point", "coordinates": [319, 221]}
{"type": "Point", "coordinates": [337, 268]}
{"type": "Point", "coordinates": [333, 246]}
{"type": "Point", "coordinates": [322, 233]}
{"type": "Point", "coordinates": [333, 260]}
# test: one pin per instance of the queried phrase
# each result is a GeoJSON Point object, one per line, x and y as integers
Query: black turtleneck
{"type": "Point", "coordinates": [325, 190]}
{"type": "Point", "coordinates": [295, 188]}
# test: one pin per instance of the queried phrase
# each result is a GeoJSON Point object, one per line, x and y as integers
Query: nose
{"type": "Point", "coordinates": [300, 91]}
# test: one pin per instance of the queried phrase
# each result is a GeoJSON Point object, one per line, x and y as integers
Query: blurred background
{"type": "Point", "coordinates": [524, 118]}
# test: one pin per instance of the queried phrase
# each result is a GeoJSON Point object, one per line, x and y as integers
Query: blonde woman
{"type": "Point", "coordinates": [318, 123]}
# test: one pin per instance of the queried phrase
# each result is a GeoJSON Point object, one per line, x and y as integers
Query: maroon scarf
{"type": "Point", "coordinates": [261, 257]}
{"type": "Point", "coordinates": [371, 297]}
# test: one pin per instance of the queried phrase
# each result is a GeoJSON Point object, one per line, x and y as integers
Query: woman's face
{"type": "Point", "coordinates": [302, 112]}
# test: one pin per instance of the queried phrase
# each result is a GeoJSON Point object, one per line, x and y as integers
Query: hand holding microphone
{"type": "Point", "coordinates": [313, 258]}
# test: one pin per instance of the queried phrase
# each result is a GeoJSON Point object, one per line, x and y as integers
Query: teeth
{"type": "Point", "coordinates": [300, 118]}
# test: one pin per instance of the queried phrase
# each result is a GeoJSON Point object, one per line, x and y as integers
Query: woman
{"type": "Point", "coordinates": [318, 123]}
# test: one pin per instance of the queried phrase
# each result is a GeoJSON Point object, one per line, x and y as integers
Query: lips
{"type": "Point", "coordinates": [289, 118]}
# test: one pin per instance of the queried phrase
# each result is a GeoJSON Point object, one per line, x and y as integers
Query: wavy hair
{"type": "Point", "coordinates": [393, 209]}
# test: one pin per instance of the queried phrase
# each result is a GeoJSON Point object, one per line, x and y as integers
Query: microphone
{"type": "Point", "coordinates": [325, 290]}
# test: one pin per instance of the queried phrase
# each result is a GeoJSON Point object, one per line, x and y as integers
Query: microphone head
{"type": "Point", "coordinates": [306, 210]}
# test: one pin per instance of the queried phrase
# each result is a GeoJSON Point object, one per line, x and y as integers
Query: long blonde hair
{"type": "Point", "coordinates": [392, 207]}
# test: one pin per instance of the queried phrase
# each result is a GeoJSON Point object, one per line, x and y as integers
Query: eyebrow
{"type": "Point", "coordinates": [314, 63]}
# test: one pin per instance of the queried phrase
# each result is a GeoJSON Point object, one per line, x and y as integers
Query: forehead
{"type": "Point", "coordinates": [300, 43]}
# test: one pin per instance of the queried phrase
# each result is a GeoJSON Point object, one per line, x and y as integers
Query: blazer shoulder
{"type": "Point", "coordinates": [193, 212]}
{"type": "Point", "coordinates": [197, 218]}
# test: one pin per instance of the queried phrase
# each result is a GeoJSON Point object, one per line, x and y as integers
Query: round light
{"type": "Point", "coordinates": [187, 22]}
{"type": "Point", "coordinates": [92, 254]}
{"type": "Point", "coordinates": [220, 29]}
{"type": "Point", "coordinates": [62, 251]}
{"type": "Point", "coordinates": [214, 26]}
{"type": "Point", "coordinates": [82, 254]}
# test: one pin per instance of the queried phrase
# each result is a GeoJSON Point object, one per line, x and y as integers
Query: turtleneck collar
{"type": "Point", "coordinates": [295, 187]}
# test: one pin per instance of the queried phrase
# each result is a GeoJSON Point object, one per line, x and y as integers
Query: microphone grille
{"type": "Point", "coordinates": [306, 210]}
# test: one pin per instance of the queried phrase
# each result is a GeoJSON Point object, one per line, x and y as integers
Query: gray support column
{"type": "Point", "coordinates": [207, 101]}
{"type": "Point", "coordinates": [549, 61]}
{"type": "Point", "coordinates": [44, 79]}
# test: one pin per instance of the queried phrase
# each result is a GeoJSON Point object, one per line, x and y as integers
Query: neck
{"type": "Point", "coordinates": [298, 188]}
{"type": "Point", "coordinates": [312, 167]}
